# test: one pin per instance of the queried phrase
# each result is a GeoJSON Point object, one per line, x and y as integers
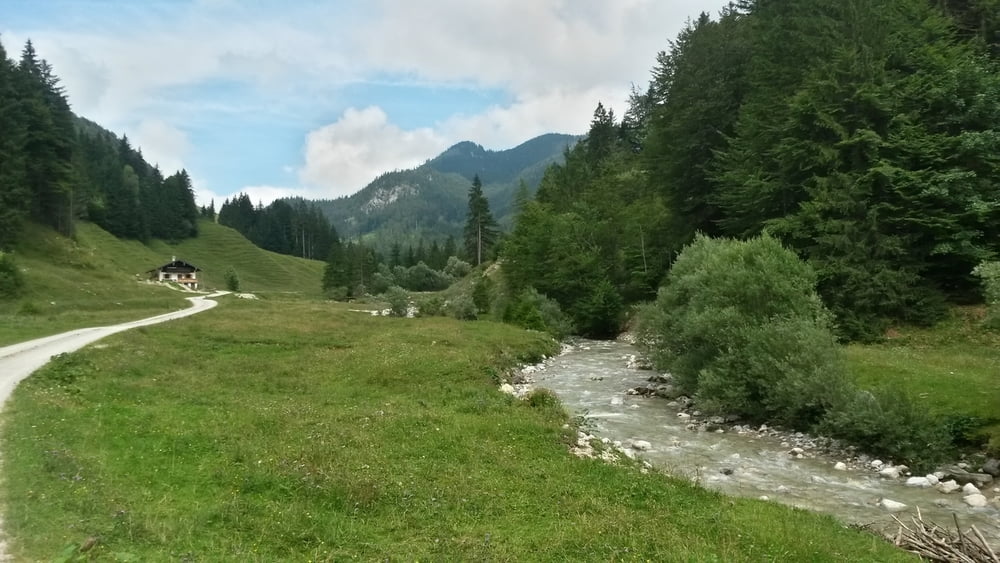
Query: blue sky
{"type": "Point", "coordinates": [316, 98]}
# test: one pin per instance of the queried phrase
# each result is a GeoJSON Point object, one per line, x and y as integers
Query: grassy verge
{"type": "Point", "coordinates": [267, 431]}
{"type": "Point", "coordinates": [952, 368]}
{"type": "Point", "coordinates": [95, 279]}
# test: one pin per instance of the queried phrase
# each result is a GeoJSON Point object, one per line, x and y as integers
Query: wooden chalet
{"type": "Point", "coordinates": [177, 271]}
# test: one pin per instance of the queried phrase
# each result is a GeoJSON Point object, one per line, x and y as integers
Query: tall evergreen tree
{"type": "Point", "coordinates": [14, 195]}
{"type": "Point", "coordinates": [481, 230]}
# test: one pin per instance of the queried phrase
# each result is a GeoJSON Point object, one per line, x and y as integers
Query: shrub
{"type": "Point", "coordinates": [535, 311]}
{"type": "Point", "coordinates": [740, 326]}
{"type": "Point", "coordinates": [481, 294]}
{"type": "Point", "coordinates": [432, 306]}
{"type": "Point", "coordinates": [232, 279]}
{"type": "Point", "coordinates": [457, 268]}
{"type": "Point", "coordinates": [889, 423]}
{"type": "Point", "coordinates": [461, 307]}
{"type": "Point", "coordinates": [336, 293]}
{"type": "Point", "coordinates": [11, 280]}
{"type": "Point", "coordinates": [382, 280]}
{"type": "Point", "coordinates": [399, 301]}
{"type": "Point", "coordinates": [422, 278]}
{"type": "Point", "coordinates": [599, 314]}
{"type": "Point", "coordinates": [989, 273]}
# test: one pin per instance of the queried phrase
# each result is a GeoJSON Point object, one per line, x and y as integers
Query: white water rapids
{"type": "Point", "coordinates": [591, 378]}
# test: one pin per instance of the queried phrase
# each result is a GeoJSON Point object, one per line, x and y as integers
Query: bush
{"type": "Point", "coordinates": [461, 307]}
{"type": "Point", "coordinates": [739, 324]}
{"type": "Point", "coordinates": [399, 301]}
{"type": "Point", "coordinates": [232, 279]}
{"type": "Point", "coordinates": [533, 310]}
{"type": "Point", "coordinates": [891, 424]}
{"type": "Point", "coordinates": [989, 273]}
{"type": "Point", "coordinates": [11, 280]}
{"type": "Point", "coordinates": [432, 306]}
{"type": "Point", "coordinates": [336, 293]}
{"type": "Point", "coordinates": [457, 268]}
{"type": "Point", "coordinates": [481, 294]}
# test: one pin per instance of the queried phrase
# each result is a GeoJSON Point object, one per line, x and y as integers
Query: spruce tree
{"type": "Point", "coordinates": [481, 231]}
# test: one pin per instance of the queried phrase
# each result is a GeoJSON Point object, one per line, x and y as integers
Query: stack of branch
{"type": "Point", "coordinates": [935, 543]}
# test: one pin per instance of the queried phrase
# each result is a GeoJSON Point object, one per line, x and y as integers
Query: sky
{"type": "Point", "coordinates": [316, 98]}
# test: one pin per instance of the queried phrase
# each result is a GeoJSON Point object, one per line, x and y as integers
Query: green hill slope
{"type": "Point", "coordinates": [96, 279]}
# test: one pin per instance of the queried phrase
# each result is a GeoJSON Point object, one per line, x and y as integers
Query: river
{"type": "Point", "coordinates": [591, 377]}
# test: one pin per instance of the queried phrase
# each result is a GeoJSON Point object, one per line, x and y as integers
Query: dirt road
{"type": "Point", "coordinates": [18, 361]}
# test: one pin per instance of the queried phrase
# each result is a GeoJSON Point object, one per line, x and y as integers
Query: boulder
{"type": "Point", "coordinates": [840, 466]}
{"type": "Point", "coordinates": [975, 501]}
{"type": "Point", "coordinates": [668, 391]}
{"type": "Point", "coordinates": [932, 479]}
{"type": "Point", "coordinates": [949, 486]}
{"type": "Point", "coordinates": [920, 482]}
{"type": "Point", "coordinates": [876, 464]}
{"type": "Point", "coordinates": [970, 489]}
{"type": "Point", "coordinates": [992, 467]}
{"type": "Point", "coordinates": [891, 505]}
{"type": "Point", "coordinates": [962, 477]}
{"type": "Point", "coordinates": [641, 445]}
{"type": "Point", "coordinates": [889, 472]}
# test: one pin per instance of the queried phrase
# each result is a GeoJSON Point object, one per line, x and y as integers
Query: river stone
{"type": "Point", "coordinates": [668, 391]}
{"type": "Point", "coordinates": [683, 415]}
{"type": "Point", "coordinates": [891, 505]}
{"type": "Point", "coordinates": [970, 489]}
{"type": "Point", "coordinates": [920, 482]}
{"type": "Point", "coordinates": [840, 466]}
{"type": "Point", "coordinates": [975, 501]}
{"type": "Point", "coordinates": [992, 467]}
{"type": "Point", "coordinates": [642, 445]}
{"type": "Point", "coordinates": [876, 464]}
{"type": "Point", "coordinates": [508, 389]}
{"type": "Point", "coordinates": [949, 486]}
{"type": "Point", "coordinates": [889, 472]}
{"type": "Point", "coordinates": [962, 476]}
{"type": "Point", "coordinates": [932, 479]}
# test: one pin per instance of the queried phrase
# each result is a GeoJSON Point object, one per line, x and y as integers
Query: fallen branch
{"type": "Point", "coordinates": [935, 543]}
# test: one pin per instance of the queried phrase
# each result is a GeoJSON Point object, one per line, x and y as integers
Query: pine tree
{"type": "Point", "coordinates": [481, 231]}
{"type": "Point", "coordinates": [14, 195]}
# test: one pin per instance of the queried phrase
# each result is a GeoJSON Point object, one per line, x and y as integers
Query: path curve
{"type": "Point", "coordinates": [18, 361]}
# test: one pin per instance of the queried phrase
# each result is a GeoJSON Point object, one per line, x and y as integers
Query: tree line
{"type": "Point", "coordinates": [57, 168]}
{"type": "Point", "coordinates": [864, 137]}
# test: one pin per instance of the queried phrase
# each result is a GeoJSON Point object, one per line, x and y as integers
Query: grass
{"type": "Point", "coordinates": [296, 430]}
{"type": "Point", "coordinates": [96, 279]}
{"type": "Point", "coordinates": [952, 368]}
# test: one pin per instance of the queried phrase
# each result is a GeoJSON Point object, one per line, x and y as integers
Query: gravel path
{"type": "Point", "coordinates": [18, 361]}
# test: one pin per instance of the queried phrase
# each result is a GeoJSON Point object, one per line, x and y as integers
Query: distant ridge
{"type": "Point", "coordinates": [429, 201]}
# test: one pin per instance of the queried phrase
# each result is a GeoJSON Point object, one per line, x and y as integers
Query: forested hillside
{"type": "Point", "coordinates": [865, 136]}
{"type": "Point", "coordinates": [56, 168]}
{"type": "Point", "coordinates": [428, 203]}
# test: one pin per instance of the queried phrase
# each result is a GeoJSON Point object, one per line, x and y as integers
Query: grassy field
{"type": "Point", "coordinates": [96, 279]}
{"type": "Point", "coordinates": [952, 368]}
{"type": "Point", "coordinates": [299, 431]}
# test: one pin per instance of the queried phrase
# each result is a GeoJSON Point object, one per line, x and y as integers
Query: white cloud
{"type": "Point", "coordinates": [162, 144]}
{"type": "Point", "coordinates": [343, 157]}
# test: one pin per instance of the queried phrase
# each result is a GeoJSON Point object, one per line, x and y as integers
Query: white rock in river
{"type": "Point", "coordinates": [876, 464]}
{"type": "Point", "coordinates": [891, 505]}
{"type": "Point", "coordinates": [642, 445]}
{"type": "Point", "coordinates": [781, 489]}
{"type": "Point", "coordinates": [508, 389]}
{"type": "Point", "coordinates": [975, 501]}
{"type": "Point", "coordinates": [890, 472]}
{"type": "Point", "coordinates": [683, 415]}
{"type": "Point", "coordinates": [840, 466]}
{"type": "Point", "coordinates": [933, 479]}
{"type": "Point", "coordinates": [920, 482]}
{"type": "Point", "coordinates": [949, 486]}
{"type": "Point", "coordinates": [970, 489]}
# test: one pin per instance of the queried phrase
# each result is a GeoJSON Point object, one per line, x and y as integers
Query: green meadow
{"type": "Point", "coordinates": [294, 430]}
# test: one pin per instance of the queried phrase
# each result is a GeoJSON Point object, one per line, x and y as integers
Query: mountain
{"type": "Point", "coordinates": [430, 201]}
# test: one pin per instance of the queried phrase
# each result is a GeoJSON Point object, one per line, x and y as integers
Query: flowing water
{"type": "Point", "coordinates": [591, 378]}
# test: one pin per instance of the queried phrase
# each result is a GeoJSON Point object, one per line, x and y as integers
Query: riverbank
{"type": "Point", "coordinates": [618, 403]}
{"type": "Point", "coordinates": [300, 430]}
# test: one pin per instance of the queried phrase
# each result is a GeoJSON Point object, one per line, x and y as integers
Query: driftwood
{"type": "Point", "coordinates": [935, 543]}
